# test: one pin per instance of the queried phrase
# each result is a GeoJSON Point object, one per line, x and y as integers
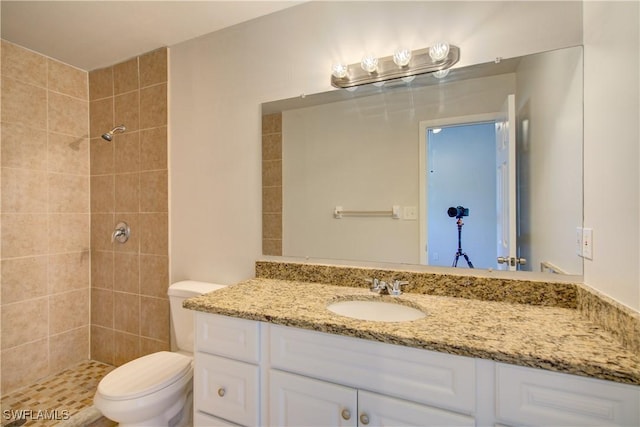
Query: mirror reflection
{"type": "Point", "coordinates": [481, 169]}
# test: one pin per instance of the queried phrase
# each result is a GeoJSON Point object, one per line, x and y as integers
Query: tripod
{"type": "Point", "coordinates": [459, 252]}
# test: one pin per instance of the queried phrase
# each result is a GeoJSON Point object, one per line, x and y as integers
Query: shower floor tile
{"type": "Point", "coordinates": [54, 399]}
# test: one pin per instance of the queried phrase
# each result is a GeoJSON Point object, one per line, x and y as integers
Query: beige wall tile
{"type": "Point", "coordinates": [68, 115]}
{"type": "Point", "coordinates": [126, 274]}
{"type": "Point", "coordinates": [24, 321]}
{"type": "Point", "coordinates": [153, 148]}
{"type": "Point", "coordinates": [127, 110]}
{"type": "Point", "coordinates": [69, 232]}
{"type": "Point", "coordinates": [127, 152]}
{"type": "Point", "coordinates": [272, 226]}
{"type": "Point", "coordinates": [22, 365]}
{"type": "Point", "coordinates": [23, 103]}
{"type": "Point", "coordinates": [272, 146]}
{"type": "Point", "coordinates": [272, 123]}
{"type": "Point", "coordinates": [272, 173]}
{"type": "Point", "coordinates": [102, 226]}
{"type": "Point", "coordinates": [153, 106]}
{"type": "Point", "coordinates": [23, 147]}
{"type": "Point", "coordinates": [23, 278]}
{"type": "Point", "coordinates": [22, 64]}
{"type": "Point", "coordinates": [126, 347]}
{"type": "Point", "coordinates": [126, 312]}
{"type": "Point", "coordinates": [153, 233]}
{"type": "Point", "coordinates": [101, 155]}
{"type": "Point", "coordinates": [101, 83]}
{"type": "Point", "coordinates": [101, 117]}
{"type": "Point", "coordinates": [127, 192]}
{"type": "Point", "coordinates": [148, 346]}
{"type": "Point", "coordinates": [102, 269]}
{"type": "Point", "coordinates": [68, 80]}
{"type": "Point", "coordinates": [153, 191]}
{"type": "Point", "coordinates": [68, 154]}
{"type": "Point", "coordinates": [24, 191]}
{"type": "Point", "coordinates": [23, 235]}
{"type": "Point", "coordinates": [153, 67]}
{"type": "Point", "coordinates": [69, 310]}
{"type": "Point", "coordinates": [68, 193]}
{"type": "Point", "coordinates": [102, 344]}
{"type": "Point", "coordinates": [69, 271]}
{"type": "Point", "coordinates": [102, 193]}
{"type": "Point", "coordinates": [154, 275]}
{"type": "Point", "coordinates": [102, 307]}
{"type": "Point", "coordinates": [154, 318]}
{"type": "Point", "coordinates": [272, 199]}
{"type": "Point", "coordinates": [68, 348]}
{"type": "Point", "coordinates": [272, 247]}
{"type": "Point", "coordinates": [125, 76]}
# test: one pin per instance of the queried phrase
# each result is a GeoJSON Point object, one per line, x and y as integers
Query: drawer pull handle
{"type": "Point", "coordinates": [346, 414]}
{"type": "Point", "coordinates": [364, 419]}
{"type": "Point", "coordinates": [221, 392]}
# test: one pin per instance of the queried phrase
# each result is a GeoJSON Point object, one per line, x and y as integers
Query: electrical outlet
{"type": "Point", "coordinates": [579, 241]}
{"type": "Point", "coordinates": [587, 243]}
{"type": "Point", "coordinates": [410, 213]}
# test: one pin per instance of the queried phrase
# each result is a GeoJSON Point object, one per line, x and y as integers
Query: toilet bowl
{"type": "Point", "coordinates": [156, 390]}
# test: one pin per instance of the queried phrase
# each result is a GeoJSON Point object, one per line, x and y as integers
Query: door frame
{"type": "Point", "coordinates": [424, 126]}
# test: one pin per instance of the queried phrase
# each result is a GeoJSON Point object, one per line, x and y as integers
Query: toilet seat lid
{"type": "Point", "coordinates": [144, 375]}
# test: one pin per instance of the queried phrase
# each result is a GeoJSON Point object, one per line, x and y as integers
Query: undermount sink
{"type": "Point", "coordinates": [379, 311]}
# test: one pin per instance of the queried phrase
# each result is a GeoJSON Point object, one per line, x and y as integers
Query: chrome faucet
{"type": "Point", "coordinates": [384, 288]}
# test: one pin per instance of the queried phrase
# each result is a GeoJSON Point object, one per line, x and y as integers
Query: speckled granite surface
{"type": "Point", "coordinates": [547, 337]}
{"type": "Point", "coordinates": [480, 288]}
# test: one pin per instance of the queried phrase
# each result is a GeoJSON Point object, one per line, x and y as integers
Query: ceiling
{"type": "Point", "coordinates": [95, 34]}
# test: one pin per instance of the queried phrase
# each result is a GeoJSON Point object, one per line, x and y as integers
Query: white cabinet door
{"type": "Point", "coordinates": [300, 401]}
{"type": "Point", "coordinates": [375, 410]}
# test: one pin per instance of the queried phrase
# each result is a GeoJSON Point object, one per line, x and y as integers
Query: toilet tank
{"type": "Point", "coordinates": [182, 318]}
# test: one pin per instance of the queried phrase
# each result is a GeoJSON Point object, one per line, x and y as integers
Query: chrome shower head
{"type": "Point", "coordinates": [109, 135]}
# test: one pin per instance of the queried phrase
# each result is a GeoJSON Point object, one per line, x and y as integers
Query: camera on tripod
{"type": "Point", "coordinates": [458, 212]}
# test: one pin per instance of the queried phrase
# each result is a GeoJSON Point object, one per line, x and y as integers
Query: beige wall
{"type": "Point", "coordinates": [45, 216]}
{"type": "Point", "coordinates": [130, 308]}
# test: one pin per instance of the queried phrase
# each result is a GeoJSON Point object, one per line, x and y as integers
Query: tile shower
{"type": "Point", "coordinates": [67, 293]}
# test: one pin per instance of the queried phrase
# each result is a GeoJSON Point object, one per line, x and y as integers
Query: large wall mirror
{"type": "Point", "coordinates": [437, 172]}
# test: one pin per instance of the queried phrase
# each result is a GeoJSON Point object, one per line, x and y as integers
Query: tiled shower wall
{"type": "Point", "coordinates": [272, 184]}
{"type": "Point", "coordinates": [45, 219]}
{"type": "Point", "coordinates": [129, 282]}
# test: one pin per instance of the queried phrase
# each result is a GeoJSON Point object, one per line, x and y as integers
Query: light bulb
{"type": "Point", "coordinates": [369, 63]}
{"type": "Point", "coordinates": [439, 51]}
{"type": "Point", "coordinates": [339, 70]}
{"type": "Point", "coordinates": [441, 74]}
{"type": "Point", "coordinates": [402, 57]}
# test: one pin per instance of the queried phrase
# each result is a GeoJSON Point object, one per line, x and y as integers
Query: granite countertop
{"type": "Point", "coordinates": [552, 338]}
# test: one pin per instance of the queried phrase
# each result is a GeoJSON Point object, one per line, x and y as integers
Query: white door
{"type": "Point", "coordinates": [375, 410]}
{"type": "Point", "coordinates": [300, 401]}
{"type": "Point", "coordinates": [506, 185]}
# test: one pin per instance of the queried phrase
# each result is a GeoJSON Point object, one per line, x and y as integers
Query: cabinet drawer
{"type": "Point", "coordinates": [228, 336]}
{"type": "Point", "coordinates": [421, 376]}
{"type": "Point", "coordinates": [527, 396]}
{"type": "Point", "coordinates": [226, 388]}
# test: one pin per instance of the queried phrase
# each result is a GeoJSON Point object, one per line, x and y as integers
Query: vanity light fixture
{"type": "Point", "coordinates": [403, 64]}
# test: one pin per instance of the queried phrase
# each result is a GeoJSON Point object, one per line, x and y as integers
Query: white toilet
{"type": "Point", "coordinates": [156, 390]}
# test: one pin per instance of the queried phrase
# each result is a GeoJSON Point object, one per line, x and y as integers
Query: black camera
{"type": "Point", "coordinates": [458, 212]}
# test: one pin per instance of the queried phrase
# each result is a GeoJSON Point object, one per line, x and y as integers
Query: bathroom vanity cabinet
{"type": "Point", "coordinates": [254, 373]}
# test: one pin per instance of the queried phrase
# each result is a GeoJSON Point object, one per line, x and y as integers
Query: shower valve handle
{"type": "Point", "coordinates": [121, 233]}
